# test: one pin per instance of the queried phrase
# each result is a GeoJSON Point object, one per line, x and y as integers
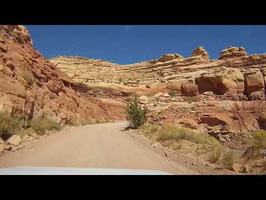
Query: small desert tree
{"type": "Point", "coordinates": [136, 114]}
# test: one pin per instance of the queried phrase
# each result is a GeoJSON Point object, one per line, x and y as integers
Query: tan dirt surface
{"type": "Point", "coordinates": [93, 146]}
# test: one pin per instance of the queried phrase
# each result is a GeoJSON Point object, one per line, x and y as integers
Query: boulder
{"type": "Point", "coordinates": [255, 96]}
{"type": "Point", "coordinates": [14, 140]}
{"type": "Point", "coordinates": [158, 94]}
{"type": "Point", "coordinates": [247, 168]}
{"type": "Point", "coordinates": [233, 80]}
{"type": "Point", "coordinates": [254, 81]}
{"type": "Point", "coordinates": [189, 88]}
{"type": "Point", "coordinates": [143, 100]}
{"type": "Point", "coordinates": [208, 93]}
{"type": "Point", "coordinates": [8, 147]}
{"type": "Point", "coordinates": [54, 86]}
{"type": "Point", "coordinates": [238, 167]}
{"type": "Point", "coordinates": [166, 95]}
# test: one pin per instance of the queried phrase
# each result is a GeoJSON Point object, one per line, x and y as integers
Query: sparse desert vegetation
{"type": "Point", "coordinates": [207, 145]}
{"type": "Point", "coordinates": [9, 125]}
{"type": "Point", "coordinates": [43, 124]}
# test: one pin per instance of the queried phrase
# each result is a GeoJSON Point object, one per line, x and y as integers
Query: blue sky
{"type": "Point", "coordinates": [125, 44]}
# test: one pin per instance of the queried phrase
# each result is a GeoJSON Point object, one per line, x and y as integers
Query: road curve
{"type": "Point", "coordinates": [92, 146]}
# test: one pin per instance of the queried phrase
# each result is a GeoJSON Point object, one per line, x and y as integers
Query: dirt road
{"type": "Point", "coordinates": [92, 146]}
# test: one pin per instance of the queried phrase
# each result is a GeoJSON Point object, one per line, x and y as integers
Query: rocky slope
{"type": "Point", "coordinates": [31, 85]}
{"type": "Point", "coordinates": [221, 96]}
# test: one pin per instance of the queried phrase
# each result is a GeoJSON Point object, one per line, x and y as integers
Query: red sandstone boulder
{"type": "Point", "coordinates": [189, 88]}
{"type": "Point", "coordinates": [255, 84]}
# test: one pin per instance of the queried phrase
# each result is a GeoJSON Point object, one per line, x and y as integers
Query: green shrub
{"type": "Point", "coordinates": [29, 78]}
{"type": "Point", "coordinates": [9, 125]}
{"type": "Point", "coordinates": [136, 114]}
{"type": "Point", "coordinates": [172, 94]}
{"type": "Point", "coordinates": [43, 124]}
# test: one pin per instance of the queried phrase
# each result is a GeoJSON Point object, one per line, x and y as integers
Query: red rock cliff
{"type": "Point", "coordinates": [32, 85]}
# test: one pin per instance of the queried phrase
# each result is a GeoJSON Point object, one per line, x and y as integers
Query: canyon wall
{"type": "Point", "coordinates": [31, 85]}
{"type": "Point", "coordinates": [222, 95]}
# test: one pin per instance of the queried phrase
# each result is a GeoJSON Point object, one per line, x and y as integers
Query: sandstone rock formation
{"type": "Point", "coordinates": [201, 52]}
{"type": "Point", "coordinates": [255, 85]}
{"type": "Point", "coordinates": [31, 85]}
{"type": "Point", "coordinates": [232, 52]}
{"type": "Point", "coordinates": [167, 57]}
{"type": "Point", "coordinates": [220, 96]}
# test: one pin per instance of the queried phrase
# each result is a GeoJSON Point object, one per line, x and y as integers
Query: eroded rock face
{"type": "Point", "coordinates": [225, 80]}
{"type": "Point", "coordinates": [31, 85]}
{"type": "Point", "coordinates": [229, 91]}
{"type": "Point", "coordinates": [15, 33]}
